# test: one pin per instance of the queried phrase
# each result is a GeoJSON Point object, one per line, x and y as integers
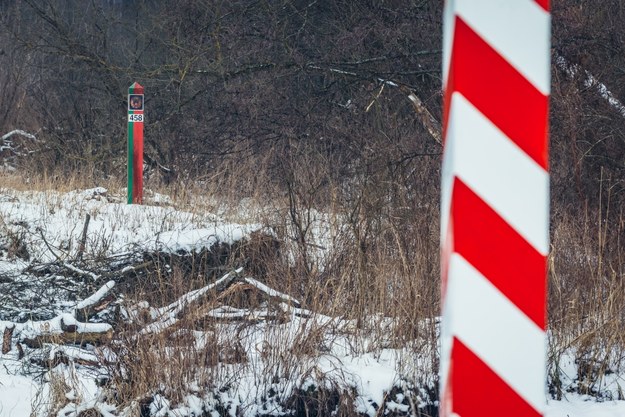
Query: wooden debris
{"type": "Point", "coordinates": [67, 338]}
{"type": "Point", "coordinates": [51, 359]}
{"type": "Point", "coordinates": [83, 238]}
{"type": "Point", "coordinates": [236, 298]}
{"type": "Point", "coordinates": [64, 329]}
{"type": "Point", "coordinates": [273, 294]}
{"type": "Point", "coordinates": [97, 302]}
{"type": "Point", "coordinates": [88, 312]}
{"type": "Point", "coordinates": [169, 314]}
{"type": "Point", "coordinates": [432, 125]}
{"type": "Point", "coordinates": [6, 339]}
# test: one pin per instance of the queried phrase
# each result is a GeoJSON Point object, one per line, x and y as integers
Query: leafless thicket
{"type": "Point", "coordinates": [304, 108]}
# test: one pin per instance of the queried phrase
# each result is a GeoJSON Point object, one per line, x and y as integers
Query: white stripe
{"type": "Point", "coordinates": [494, 329]}
{"type": "Point", "coordinates": [446, 340]}
{"type": "Point", "coordinates": [449, 19]}
{"type": "Point", "coordinates": [497, 170]}
{"type": "Point", "coordinates": [520, 30]}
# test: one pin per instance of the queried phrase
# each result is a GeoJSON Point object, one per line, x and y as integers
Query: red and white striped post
{"type": "Point", "coordinates": [495, 207]}
{"type": "Point", "coordinates": [135, 143]}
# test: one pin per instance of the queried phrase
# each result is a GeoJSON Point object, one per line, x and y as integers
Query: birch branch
{"type": "Point", "coordinates": [429, 122]}
{"type": "Point", "coordinates": [590, 81]}
{"type": "Point", "coordinates": [18, 132]}
{"type": "Point", "coordinates": [168, 315]}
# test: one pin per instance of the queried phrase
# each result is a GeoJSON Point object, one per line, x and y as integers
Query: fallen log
{"type": "Point", "coordinates": [69, 338]}
{"type": "Point", "coordinates": [63, 329]}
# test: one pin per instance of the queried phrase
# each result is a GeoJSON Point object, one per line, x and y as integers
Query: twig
{"type": "Point", "coordinates": [48, 245]}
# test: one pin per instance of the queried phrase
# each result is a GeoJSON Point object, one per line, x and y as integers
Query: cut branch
{"type": "Point", "coordinates": [6, 339]}
{"type": "Point", "coordinates": [429, 122]}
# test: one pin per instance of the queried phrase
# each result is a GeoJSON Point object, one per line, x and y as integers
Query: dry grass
{"type": "Point", "coordinates": [366, 252]}
{"type": "Point", "coordinates": [586, 298]}
{"type": "Point", "coordinates": [373, 268]}
{"type": "Point", "coordinates": [60, 182]}
{"type": "Point", "coordinates": [380, 262]}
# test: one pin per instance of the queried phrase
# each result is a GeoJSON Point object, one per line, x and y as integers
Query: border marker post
{"type": "Point", "coordinates": [494, 207]}
{"type": "Point", "coordinates": [135, 143]}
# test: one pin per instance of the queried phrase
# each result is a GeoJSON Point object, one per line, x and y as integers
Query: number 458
{"type": "Point", "coordinates": [135, 118]}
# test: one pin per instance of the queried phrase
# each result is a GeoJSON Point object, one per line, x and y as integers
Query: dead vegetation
{"type": "Point", "coordinates": [310, 140]}
{"type": "Point", "coordinates": [186, 317]}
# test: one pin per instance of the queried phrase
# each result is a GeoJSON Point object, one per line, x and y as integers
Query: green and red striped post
{"type": "Point", "coordinates": [135, 144]}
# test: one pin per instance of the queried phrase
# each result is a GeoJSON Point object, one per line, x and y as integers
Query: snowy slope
{"type": "Point", "coordinates": [50, 226]}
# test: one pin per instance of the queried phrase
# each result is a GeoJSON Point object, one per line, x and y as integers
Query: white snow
{"type": "Point", "coordinates": [17, 393]}
{"type": "Point", "coordinates": [197, 239]}
{"type": "Point", "coordinates": [270, 291]}
{"type": "Point", "coordinates": [51, 224]}
{"type": "Point", "coordinates": [589, 80]}
{"type": "Point", "coordinates": [96, 297]}
{"type": "Point", "coordinates": [578, 407]}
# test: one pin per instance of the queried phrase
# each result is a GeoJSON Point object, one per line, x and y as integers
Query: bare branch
{"type": "Point", "coordinates": [18, 132]}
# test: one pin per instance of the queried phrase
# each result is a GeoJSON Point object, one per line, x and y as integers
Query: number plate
{"type": "Point", "coordinates": [135, 118]}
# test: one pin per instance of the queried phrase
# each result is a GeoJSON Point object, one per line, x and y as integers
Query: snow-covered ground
{"type": "Point", "coordinates": [50, 225]}
{"type": "Point", "coordinates": [579, 407]}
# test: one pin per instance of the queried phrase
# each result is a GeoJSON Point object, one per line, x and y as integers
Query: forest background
{"type": "Point", "coordinates": [328, 106]}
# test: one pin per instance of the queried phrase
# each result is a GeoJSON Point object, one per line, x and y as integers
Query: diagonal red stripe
{"type": "Point", "coordinates": [476, 391]}
{"type": "Point", "coordinates": [499, 91]}
{"type": "Point", "coordinates": [543, 3]}
{"type": "Point", "coordinates": [499, 253]}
